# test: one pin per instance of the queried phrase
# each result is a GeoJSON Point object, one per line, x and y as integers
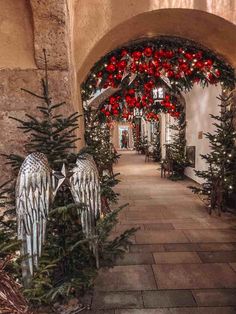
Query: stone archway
{"type": "Point", "coordinates": [208, 29]}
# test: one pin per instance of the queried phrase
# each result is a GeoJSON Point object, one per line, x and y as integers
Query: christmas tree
{"type": "Point", "coordinates": [220, 177]}
{"type": "Point", "coordinates": [67, 266]}
{"type": "Point", "coordinates": [176, 150]}
{"type": "Point", "coordinates": [97, 137]}
{"type": "Point", "coordinates": [157, 143]}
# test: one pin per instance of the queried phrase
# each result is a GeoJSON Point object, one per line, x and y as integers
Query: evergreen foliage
{"type": "Point", "coordinates": [176, 150]}
{"type": "Point", "coordinates": [97, 137]}
{"type": "Point", "coordinates": [157, 143]}
{"type": "Point", "coordinates": [67, 266]}
{"type": "Point", "coordinates": [220, 177]}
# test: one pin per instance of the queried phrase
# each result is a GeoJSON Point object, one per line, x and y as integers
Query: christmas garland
{"type": "Point", "coordinates": [126, 104]}
{"type": "Point", "coordinates": [173, 63]}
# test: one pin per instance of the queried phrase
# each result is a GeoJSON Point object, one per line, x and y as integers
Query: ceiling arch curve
{"type": "Point", "coordinates": [207, 29]}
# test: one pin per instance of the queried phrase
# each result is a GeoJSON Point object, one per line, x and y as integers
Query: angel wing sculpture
{"type": "Point", "coordinates": [85, 188]}
{"type": "Point", "coordinates": [36, 187]}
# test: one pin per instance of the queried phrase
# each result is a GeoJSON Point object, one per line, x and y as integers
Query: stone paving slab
{"type": "Point", "coordinates": [181, 247]}
{"type": "Point", "coordinates": [204, 310]}
{"type": "Point", "coordinates": [139, 248]}
{"type": "Point", "coordinates": [216, 247]}
{"type": "Point", "coordinates": [142, 215]}
{"type": "Point", "coordinates": [160, 236]}
{"type": "Point", "coordinates": [116, 300]}
{"type": "Point", "coordinates": [136, 259]}
{"type": "Point", "coordinates": [194, 276]}
{"type": "Point", "coordinates": [188, 310]}
{"type": "Point", "coordinates": [158, 226]}
{"type": "Point", "coordinates": [212, 297]}
{"type": "Point", "coordinates": [168, 298]}
{"type": "Point", "coordinates": [176, 257]}
{"type": "Point", "coordinates": [218, 257]}
{"type": "Point", "coordinates": [197, 236]}
{"type": "Point", "coordinates": [126, 278]}
{"type": "Point", "coordinates": [144, 311]}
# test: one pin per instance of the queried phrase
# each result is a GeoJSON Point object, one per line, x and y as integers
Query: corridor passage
{"type": "Point", "coordinates": [182, 261]}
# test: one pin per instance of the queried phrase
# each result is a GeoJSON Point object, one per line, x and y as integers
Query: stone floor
{"type": "Point", "coordinates": [183, 261]}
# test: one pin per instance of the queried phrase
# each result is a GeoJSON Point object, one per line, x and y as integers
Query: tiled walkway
{"type": "Point", "coordinates": [182, 261]}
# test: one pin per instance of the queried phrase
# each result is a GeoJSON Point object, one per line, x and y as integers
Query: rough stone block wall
{"type": "Point", "coordinates": [16, 103]}
{"type": "Point", "coordinates": [50, 28]}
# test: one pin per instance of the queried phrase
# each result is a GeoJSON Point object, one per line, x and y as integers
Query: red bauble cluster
{"type": "Point", "coordinates": [175, 64]}
{"type": "Point", "coordinates": [123, 104]}
{"type": "Point", "coordinates": [152, 116]}
{"type": "Point", "coordinates": [167, 104]}
{"type": "Point", "coordinates": [112, 107]}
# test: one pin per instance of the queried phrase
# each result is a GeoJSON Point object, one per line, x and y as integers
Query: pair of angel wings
{"type": "Point", "coordinates": [36, 188]}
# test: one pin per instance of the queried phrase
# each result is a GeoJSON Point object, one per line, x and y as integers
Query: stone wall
{"type": "Point", "coordinates": [34, 25]}
{"type": "Point", "coordinates": [16, 103]}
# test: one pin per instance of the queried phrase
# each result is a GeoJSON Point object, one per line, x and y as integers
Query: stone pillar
{"type": "Point", "coordinates": [51, 31]}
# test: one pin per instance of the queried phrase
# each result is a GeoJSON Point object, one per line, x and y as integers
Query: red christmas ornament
{"type": "Point", "coordinates": [188, 56]}
{"type": "Point", "coordinates": [110, 68]}
{"type": "Point", "coordinates": [113, 59]}
{"type": "Point", "coordinates": [166, 65]}
{"type": "Point", "coordinates": [161, 53]}
{"type": "Point", "coordinates": [112, 100]}
{"type": "Point", "coordinates": [121, 65]}
{"type": "Point", "coordinates": [198, 55]}
{"type": "Point", "coordinates": [211, 77]}
{"type": "Point", "coordinates": [150, 71]}
{"type": "Point", "coordinates": [208, 62]}
{"type": "Point", "coordinates": [119, 77]}
{"type": "Point", "coordinates": [188, 72]}
{"type": "Point", "coordinates": [133, 67]}
{"type": "Point", "coordinates": [170, 74]}
{"type": "Point", "coordinates": [156, 54]}
{"type": "Point", "coordinates": [128, 99]}
{"type": "Point", "coordinates": [131, 91]}
{"type": "Point", "coordinates": [184, 67]}
{"type": "Point", "coordinates": [199, 65]}
{"type": "Point", "coordinates": [136, 55]}
{"type": "Point", "coordinates": [148, 52]}
{"type": "Point", "coordinates": [99, 74]}
{"type": "Point", "coordinates": [217, 73]}
{"type": "Point", "coordinates": [169, 54]}
{"type": "Point", "coordinates": [157, 74]}
{"type": "Point", "coordinates": [156, 63]}
{"type": "Point", "coordinates": [124, 53]}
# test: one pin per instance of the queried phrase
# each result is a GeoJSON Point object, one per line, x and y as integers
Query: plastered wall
{"type": "Point", "coordinates": [199, 104]}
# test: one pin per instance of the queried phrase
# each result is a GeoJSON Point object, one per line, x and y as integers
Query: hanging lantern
{"type": "Point", "coordinates": [158, 93]}
{"type": "Point", "coordinates": [138, 113]}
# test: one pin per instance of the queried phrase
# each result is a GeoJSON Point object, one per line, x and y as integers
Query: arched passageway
{"type": "Point", "coordinates": [181, 257]}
